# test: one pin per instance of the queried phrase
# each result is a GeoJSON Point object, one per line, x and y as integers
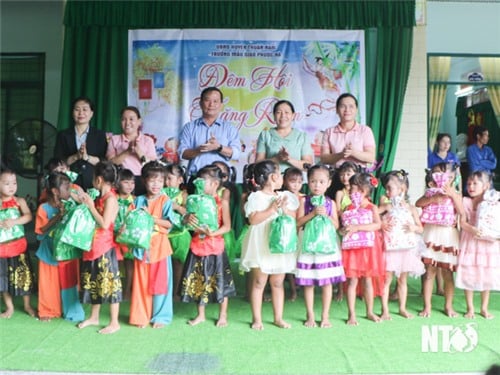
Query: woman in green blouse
{"type": "Point", "coordinates": [285, 145]}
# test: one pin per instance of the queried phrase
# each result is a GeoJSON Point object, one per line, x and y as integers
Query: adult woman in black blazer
{"type": "Point", "coordinates": [81, 145]}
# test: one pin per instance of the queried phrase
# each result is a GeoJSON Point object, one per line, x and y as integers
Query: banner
{"type": "Point", "coordinates": [253, 68]}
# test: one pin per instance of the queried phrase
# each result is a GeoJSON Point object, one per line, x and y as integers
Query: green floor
{"type": "Point", "coordinates": [389, 347]}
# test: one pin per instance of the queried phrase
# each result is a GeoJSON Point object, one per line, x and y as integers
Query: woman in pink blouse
{"type": "Point", "coordinates": [131, 149]}
{"type": "Point", "coordinates": [348, 140]}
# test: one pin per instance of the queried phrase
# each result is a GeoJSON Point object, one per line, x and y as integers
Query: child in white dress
{"type": "Point", "coordinates": [261, 208]}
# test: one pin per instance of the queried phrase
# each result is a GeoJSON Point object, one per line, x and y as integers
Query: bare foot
{"type": "Point", "coordinates": [45, 319]}
{"type": "Point", "coordinates": [469, 315]}
{"type": "Point", "coordinates": [451, 313]}
{"type": "Point", "coordinates": [282, 324]}
{"type": "Point", "coordinates": [486, 315]}
{"type": "Point", "coordinates": [373, 318]}
{"type": "Point", "coordinates": [140, 326]}
{"type": "Point", "coordinates": [352, 321]}
{"type": "Point", "coordinates": [405, 314]}
{"type": "Point", "coordinates": [386, 316]}
{"type": "Point", "coordinates": [30, 311]}
{"type": "Point", "coordinates": [325, 324]}
{"type": "Point", "coordinates": [339, 297]}
{"type": "Point", "coordinates": [112, 328]}
{"type": "Point", "coordinates": [158, 325]}
{"type": "Point", "coordinates": [440, 292]}
{"type": "Point", "coordinates": [196, 321]}
{"type": "Point", "coordinates": [257, 326]}
{"type": "Point", "coordinates": [424, 314]}
{"type": "Point", "coordinates": [87, 323]}
{"type": "Point", "coordinates": [222, 322]}
{"type": "Point", "coordinates": [267, 298]}
{"type": "Point", "coordinates": [310, 323]}
{"type": "Point", "coordinates": [293, 297]}
{"type": "Point", "coordinates": [393, 296]}
{"type": "Point", "coordinates": [7, 314]}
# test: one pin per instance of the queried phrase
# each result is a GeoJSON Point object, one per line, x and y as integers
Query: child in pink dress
{"type": "Point", "coordinates": [440, 207]}
{"type": "Point", "coordinates": [479, 258]}
{"type": "Point", "coordinates": [402, 231]}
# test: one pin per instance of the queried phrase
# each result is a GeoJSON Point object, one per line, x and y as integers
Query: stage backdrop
{"type": "Point", "coordinates": [253, 68]}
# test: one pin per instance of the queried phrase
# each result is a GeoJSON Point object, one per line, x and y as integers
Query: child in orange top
{"type": "Point", "coordinates": [207, 274]}
{"type": "Point", "coordinates": [151, 300]}
{"type": "Point", "coordinates": [14, 260]}
{"type": "Point", "coordinates": [57, 280]}
{"type": "Point", "coordinates": [100, 274]}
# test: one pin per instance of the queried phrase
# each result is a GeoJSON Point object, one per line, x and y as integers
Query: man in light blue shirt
{"type": "Point", "coordinates": [208, 138]}
{"type": "Point", "coordinates": [479, 156]}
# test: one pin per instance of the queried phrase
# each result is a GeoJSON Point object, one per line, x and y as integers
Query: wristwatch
{"type": "Point", "coordinates": [220, 148]}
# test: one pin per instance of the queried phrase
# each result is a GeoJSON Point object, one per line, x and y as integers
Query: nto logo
{"type": "Point", "coordinates": [449, 339]}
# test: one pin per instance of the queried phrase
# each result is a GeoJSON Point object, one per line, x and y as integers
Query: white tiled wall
{"type": "Point", "coordinates": [411, 153]}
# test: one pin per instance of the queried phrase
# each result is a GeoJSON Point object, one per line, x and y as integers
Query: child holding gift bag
{"type": "Point", "coordinates": [207, 274]}
{"type": "Point", "coordinates": [440, 206]}
{"type": "Point", "coordinates": [17, 277]}
{"type": "Point", "coordinates": [100, 274]}
{"type": "Point", "coordinates": [319, 262]}
{"type": "Point", "coordinates": [361, 244]}
{"type": "Point", "coordinates": [261, 209]}
{"type": "Point", "coordinates": [57, 280]}
{"type": "Point", "coordinates": [152, 285]}
{"type": "Point", "coordinates": [401, 229]}
{"type": "Point", "coordinates": [126, 186]}
{"type": "Point", "coordinates": [179, 236]}
{"type": "Point", "coordinates": [479, 258]}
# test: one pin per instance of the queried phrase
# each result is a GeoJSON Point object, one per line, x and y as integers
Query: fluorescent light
{"type": "Point", "coordinates": [464, 91]}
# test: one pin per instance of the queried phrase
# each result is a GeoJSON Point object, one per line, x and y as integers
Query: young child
{"type": "Point", "coordinates": [318, 269]}
{"type": "Point", "coordinates": [441, 235]}
{"type": "Point", "coordinates": [17, 277]}
{"type": "Point", "coordinates": [100, 273]}
{"type": "Point", "coordinates": [361, 244]}
{"type": "Point", "coordinates": [400, 224]}
{"type": "Point", "coordinates": [479, 257]}
{"type": "Point", "coordinates": [179, 236]}
{"type": "Point", "coordinates": [292, 182]}
{"type": "Point", "coordinates": [261, 208]}
{"type": "Point", "coordinates": [207, 274]}
{"type": "Point", "coordinates": [57, 280]}
{"type": "Point", "coordinates": [227, 191]}
{"type": "Point", "coordinates": [342, 201]}
{"type": "Point", "coordinates": [126, 186]}
{"type": "Point", "coordinates": [151, 300]}
{"type": "Point", "coordinates": [344, 172]}
{"type": "Point", "coordinates": [56, 165]}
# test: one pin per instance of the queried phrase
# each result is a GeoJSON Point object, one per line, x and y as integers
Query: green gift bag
{"type": "Point", "coordinates": [16, 231]}
{"type": "Point", "coordinates": [203, 206]}
{"type": "Point", "coordinates": [63, 251]}
{"type": "Point", "coordinates": [137, 229]}
{"type": "Point", "coordinates": [283, 236]}
{"type": "Point", "coordinates": [320, 236]}
{"type": "Point", "coordinates": [77, 226]}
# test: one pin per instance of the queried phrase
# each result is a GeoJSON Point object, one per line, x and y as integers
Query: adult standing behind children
{"type": "Point", "coordinates": [81, 146]}
{"type": "Point", "coordinates": [283, 144]}
{"type": "Point", "coordinates": [348, 140]}
{"type": "Point", "coordinates": [132, 149]}
{"type": "Point", "coordinates": [479, 156]}
{"type": "Point", "coordinates": [208, 138]}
